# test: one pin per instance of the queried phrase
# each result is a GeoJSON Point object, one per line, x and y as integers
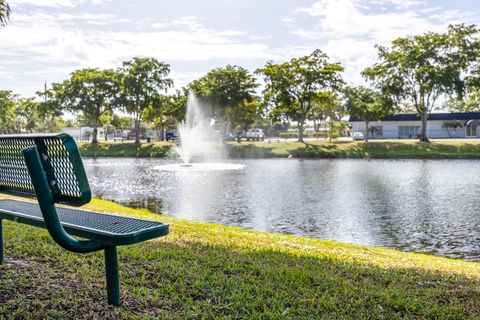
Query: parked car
{"type": "Point", "coordinates": [171, 136]}
{"type": "Point", "coordinates": [255, 134]}
{"type": "Point", "coordinates": [358, 136]}
{"type": "Point", "coordinates": [131, 136]}
{"type": "Point", "coordinates": [230, 137]}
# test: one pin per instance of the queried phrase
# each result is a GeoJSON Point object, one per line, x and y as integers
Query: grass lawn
{"type": "Point", "coordinates": [437, 149]}
{"type": "Point", "coordinates": [210, 271]}
{"type": "Point", "coordinates": [125, 149]}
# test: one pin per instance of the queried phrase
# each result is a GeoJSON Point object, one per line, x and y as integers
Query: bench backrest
{"type": "Point", "coordinates": [61, 162]}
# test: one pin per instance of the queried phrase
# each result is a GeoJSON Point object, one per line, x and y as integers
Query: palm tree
{"type": "Point", "coordinates": [4, 13]}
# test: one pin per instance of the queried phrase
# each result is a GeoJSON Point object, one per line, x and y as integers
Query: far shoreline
{"type": "Point", "coordinates": [462, 149]}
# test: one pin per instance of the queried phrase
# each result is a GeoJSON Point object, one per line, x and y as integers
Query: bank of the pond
{"type": "Point", "coordinates": [438, 149]}
{"type": "Point", "coordinates": [210, 271]}
{"type": "Point", "coordinates": [126, 149]}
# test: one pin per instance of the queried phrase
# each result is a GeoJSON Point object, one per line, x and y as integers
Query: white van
{"type": "Point", "coordinates": [255, 134]}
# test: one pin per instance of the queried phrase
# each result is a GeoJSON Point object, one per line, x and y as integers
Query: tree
{"type": "Point", "coordinates": [421, 69]}
{"type": "Point", "coordinates": [4, 13]}
{"type": "Point", "coordinates": [331, 108]}
{"type": "Point", "coordinates": [452, 125]}
{"type": "Point", "coordinates": [293, 87]}
{"type": "Point", "coordinates": [246, 113]}
{"type": "Point", "coordinates": [121, 123]}
{"type": "Point", "coordinates": [230, 91]}
{"type": "Point", "coordinates": [50, 109]}
{"type": "Point", "coordinates": [470, 101]}
{"type": "Point", "coordinates": [27, 115]}
{"type": "Point", "coordinates": [7, 111]}
{"type": "Point", "coordinates": [91, 92]}
{"type": "Point", "coordinates": [367, 104]}
{"type": "Point", "coordinates": [142, 79]}
{"type": "Point", "coordinates": [166, 111]}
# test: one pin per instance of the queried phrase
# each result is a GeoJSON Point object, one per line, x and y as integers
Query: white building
{"type": "Point", "coordinates": [405, 126]}
{"type": "Point", "coordinates": [85, 133]}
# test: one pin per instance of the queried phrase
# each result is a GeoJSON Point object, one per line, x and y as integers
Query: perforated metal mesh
{"type": "Point", "coordinates": [85, 220]}
{"type": "Point", "coordinates": [13, 172]}
{"type": "Point", "coordinates": [63, 168]}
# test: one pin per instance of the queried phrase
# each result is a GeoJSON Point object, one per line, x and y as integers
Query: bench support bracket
{"type": "Point", "coordinates": [111, 269]}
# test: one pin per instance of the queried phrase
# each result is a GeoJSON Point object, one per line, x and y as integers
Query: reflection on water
{"type": "Point", "coordinates": [415, 205]}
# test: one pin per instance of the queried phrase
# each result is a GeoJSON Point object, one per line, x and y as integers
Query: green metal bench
{"type": "Point", "coordinates": [49, 167]}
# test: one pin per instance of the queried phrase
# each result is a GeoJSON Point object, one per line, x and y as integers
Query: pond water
{"type": "Point", "coordinates": [429, 206]}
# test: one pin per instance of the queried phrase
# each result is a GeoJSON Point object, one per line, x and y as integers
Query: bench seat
{"type": "Point", "coordinates": [107, 228]}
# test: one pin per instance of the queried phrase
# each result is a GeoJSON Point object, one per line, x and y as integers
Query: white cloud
{"type": "Point", "coordinates": [397, 3]}
{"type": "Point", "coordinates": [62, 40]}
{"type": "Point", "coordinates": [348, 30]}
{"type": "Point", "coordinates": [343, 18]}
{"type": "Point", "coordinates": [55, 3]}
{"type": "Point", "coordinates": [47, 39]}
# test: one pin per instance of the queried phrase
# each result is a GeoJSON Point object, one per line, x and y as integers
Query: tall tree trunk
{"type": "Point", "coordinates": [331, 129]}
{"type": "Point", "coordinates": [424, 118]}
{"type": "Point", "coordinates": [300, 130]}
{"type": "Point", "coordinates": [162, 130]}
{"type": "Point", "coordinates": [366, 132]}
{"type": "Point", "coordinates": [228, 124]}
{"type": "Point", "coordinates": [95, 131]}
{"type": "Point", "coordinates": [137, 128]}
{"type": "Point", "coordinates": [105, 133]}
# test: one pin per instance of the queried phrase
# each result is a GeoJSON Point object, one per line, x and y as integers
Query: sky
{"type": "Point", "coordinates": [48, 39]}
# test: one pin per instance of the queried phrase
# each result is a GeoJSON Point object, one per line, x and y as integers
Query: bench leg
{"type": "Point", "coordinates": [111, 268]}
{"type": "Point", "coordinates": [1, 241]}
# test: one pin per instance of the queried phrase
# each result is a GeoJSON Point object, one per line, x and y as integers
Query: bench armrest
{"type": "Point", "coordinates": [47, 206]}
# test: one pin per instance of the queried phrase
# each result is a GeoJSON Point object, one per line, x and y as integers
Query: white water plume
{"type": "Point", "coordinates": [197, 136]}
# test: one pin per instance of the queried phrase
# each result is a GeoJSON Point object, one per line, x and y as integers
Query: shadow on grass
{"type": "Point", "coordinates": [184, 278]}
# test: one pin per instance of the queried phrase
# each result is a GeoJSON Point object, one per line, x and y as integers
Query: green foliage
{"type": "Point", "coordinates": [231, 92]}
{"type": "Point", "coordinates": [293, 87]}
{"type": "Point", "coordinates": [329, 107]}
{"type": "Point", "coordinates": [166, 111]}
{"type": "Point", "coordinates": [18, 115]}
{"type": "Point", "coordinates": [4, 13]}
{"type": "Point", "coordinates": [422, 68]}
{"type": "Point", "coordinates": [452, 126]}
{"type": "Point", "coordinates": [175, 107]}
{"type": "Point", "coordinates": [27, 115]}
{"type": "Point", "coordinates": [288, 134]}
{"type": "Point", "coordinates": [142, 80]}
{"type": "Point", "coordinates": [93, 92]}
{"type": "Point", "coordinates": [121, 123]}
{"type": "Point", "coordinates": [126, 149]}
{"type": "Point", "coordinates": [50, 105]}
{"type": "Point", "coordinates": [367, 104]}
{"type": "Point", "coordinates": [470, 101]}
{"type": "Point", "coordinates": [7, 110]}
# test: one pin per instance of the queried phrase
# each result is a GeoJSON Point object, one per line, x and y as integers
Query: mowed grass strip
{"type": "Point", "coordinates": [210, 271]}
{"type": "Point", "coordinates": [381, 149]}
{"type": "Point", "coordinates": [125, 149]}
